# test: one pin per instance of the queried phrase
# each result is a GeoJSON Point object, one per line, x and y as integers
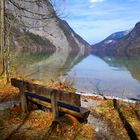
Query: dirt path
{"type": "Point", "coordinates": [8, 104]}
{"type": "Point", "coordinates": [103, 132]}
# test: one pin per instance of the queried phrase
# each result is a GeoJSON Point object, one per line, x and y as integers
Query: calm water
{"type": "Point", "coordinates": [101, 75]}
{"type": "Point", "coordinates": [110, 76]}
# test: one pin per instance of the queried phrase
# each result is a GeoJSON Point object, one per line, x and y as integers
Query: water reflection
{"type": "Point", "coordinates": [132, 64]}
{"type": "Point", "coordinates": [101, 75]}
{"type": "Point", "coordinates": [47, 66]}
{"type": "Point", "coordinates": [108, 75]}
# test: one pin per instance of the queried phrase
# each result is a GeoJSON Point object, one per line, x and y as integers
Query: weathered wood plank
{"type": "Point", "coordinates": [82, 113]}
{"type": "Point", "coordinates": [23, 99]}
{"type": "Point", "coordinates": [68, 106]}
{"type": "Point", "coordinates": [61, 95]}
{"type": "Point", "coordinates": [58, 100]}
{"type": "Point", "coordinates": [54, 106]}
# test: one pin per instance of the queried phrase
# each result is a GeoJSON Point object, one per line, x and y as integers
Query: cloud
{"type": "Point", "coordinates": [97, 23]}
{"type": "Point", "coordinates": [96, 1]}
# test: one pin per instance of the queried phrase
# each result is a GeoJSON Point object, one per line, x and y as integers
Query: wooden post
{"type": "Point", "coordinates": [54, 106]}
{"type": "Point", "coordinates": [23, 99]}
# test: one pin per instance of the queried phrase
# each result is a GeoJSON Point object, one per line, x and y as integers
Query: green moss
{"type": "Point", "coordinates": [37, 39]}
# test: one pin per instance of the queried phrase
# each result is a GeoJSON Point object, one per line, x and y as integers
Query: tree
{"type": "Point", "coordinates": [23, 14]}
{"type": "Point", "coordinates": [3, 58]}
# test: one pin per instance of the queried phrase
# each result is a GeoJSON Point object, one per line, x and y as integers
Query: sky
{"type": "Point", "coordinates": [94, 20]}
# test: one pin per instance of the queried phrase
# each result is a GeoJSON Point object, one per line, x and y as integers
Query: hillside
{"type": "Point", "coordinates": [49, 32]}
{"type": "Point", "coordinates": [126, 43]}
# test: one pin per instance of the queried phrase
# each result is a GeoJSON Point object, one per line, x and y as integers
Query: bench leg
{"type": "Point", "coordinates": [54, 106]}
{"type": "Point", "coordinates": [23, 100]}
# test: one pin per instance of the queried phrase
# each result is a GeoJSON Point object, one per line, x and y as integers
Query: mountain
{"type": "Point", "coordinates": [52, 32]}
{"type": "Point", "coordinates": [125, 43]}
{"type": "Point", "coordinates": [116, 36]}
{"type": "Point", "coordinates": [106, 46]}
{"type": "Point", "coordinates": [130, 44]}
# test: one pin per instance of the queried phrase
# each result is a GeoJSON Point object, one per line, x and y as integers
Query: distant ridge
{"type": "Point", "coordinates": [120, 43]}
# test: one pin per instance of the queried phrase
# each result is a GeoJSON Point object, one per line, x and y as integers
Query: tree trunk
{"type": "Point", "coordinates": [2, 27]}
{"type": "Point", "coordinates": [2, 43]}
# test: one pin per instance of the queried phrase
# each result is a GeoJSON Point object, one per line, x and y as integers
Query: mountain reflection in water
{"type": "Point", "coordinates": [109, 75]}
{"type": "Point", "coordinates": [100, 75]}
{"type": "Point", "coordinates": [47, 66]}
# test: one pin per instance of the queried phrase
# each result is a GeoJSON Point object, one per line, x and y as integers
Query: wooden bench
{"type": "Point", "coordinates": [59, 101]}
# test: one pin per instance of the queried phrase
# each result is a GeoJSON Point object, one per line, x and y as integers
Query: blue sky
{"type": "Point", "coordinates": [94, 20]}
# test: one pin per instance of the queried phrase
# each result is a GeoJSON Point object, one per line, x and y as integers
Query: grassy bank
{"type": "Point", "coordinates": [122, 119]}
{"type": "Point", "coordinates": [37, 124]}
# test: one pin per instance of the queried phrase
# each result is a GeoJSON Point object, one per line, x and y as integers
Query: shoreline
{"type": "Point", "coordinates": [108, 97]}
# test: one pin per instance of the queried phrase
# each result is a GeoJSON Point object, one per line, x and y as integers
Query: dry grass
{"type": "Point", "coordinates": [7, 92]}
{"type": "Point", "coordinates": [61, 85]}
{"type": "Point", "coordinates": [37, 125]}
{"type": "Point", "coordinates": [130, 114]}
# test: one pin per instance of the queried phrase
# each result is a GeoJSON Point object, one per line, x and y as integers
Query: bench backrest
{"type": "Point", "coordinates": [61, 95]}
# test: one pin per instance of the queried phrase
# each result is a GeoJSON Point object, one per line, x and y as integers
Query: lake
{"type": "Point", "coordinates": [89, 73]}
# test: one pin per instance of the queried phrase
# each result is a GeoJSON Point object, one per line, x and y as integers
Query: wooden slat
{"type": "Point", "coordinates": [68, 106]}
{"type": "Point", "coordinates": [82, 114]}
{"type": "Point", "coordinates": [61, 95]}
